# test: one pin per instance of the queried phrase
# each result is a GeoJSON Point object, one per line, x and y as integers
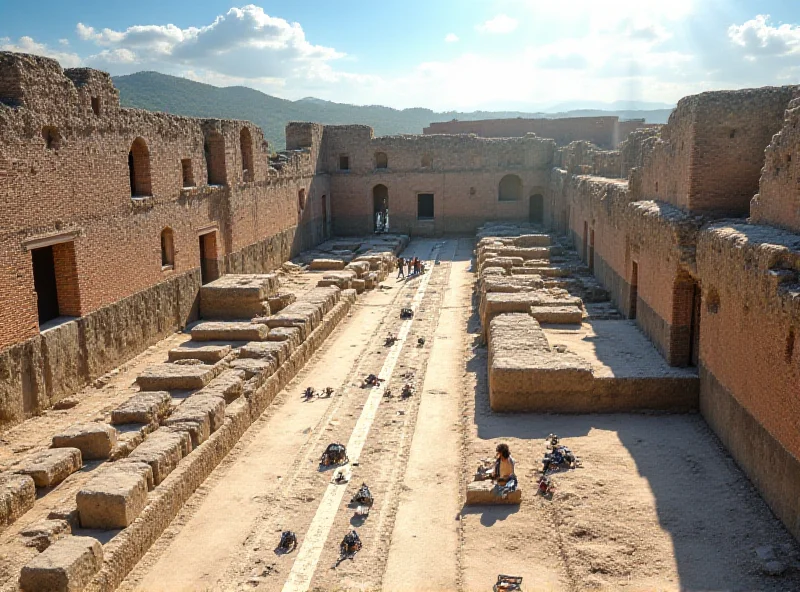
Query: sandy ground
{"type": "Point", "coordinates": [657, 504]}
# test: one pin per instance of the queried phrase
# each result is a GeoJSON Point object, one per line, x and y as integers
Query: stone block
{"type": "Point", "coordinates": [277, 302]}
{"type": "Point", "coordinates": [349, 295]}
{"type": "Point", "coordinates": [229, 331]}
{"type": "Point", "coordinates": [94, 440]}
{"type": "Point", "coordinates": [162, 450]}
{"type": "Point", "coordinates": [112, 499]}
{"type": "Point", "coordinates": [51, 467]}
{"type": "Point", "coordinates": [326, 265]}
{"type": "Point", "coordinates": [44, 533]}
{"type": "Point", "coordinates": [66, 566]}
{"type": "Point", "coordinates": [17, 496]}
{"type": "Point", "coordinates": [532, 240]}
{"type": "Point", "coordinates": [147, 407]}
{"type": "Point", "coordinates": [571, 315]}
{"type": "Point", "coordinates": [505, 262]}
{"type": "Point", "coordinates": [129, 439]}
{"type": "Point", "coordinates": [141, 468]}
{"type": "Point", "coordinates": [203, 351]}
{"type": "Point", "coordinates": [292, 318]}
{"type": "Point", "coordinates": [194, 422]}
{"type": "Point", "coordinates": [481, 493]}
{"type": "Point", "coordinates": [255, 366]}
{"type": "Point", "coordinates": [276, 350]}
{"type": "Point", "coordinates": [327, 296]}
{"type": "Point", "coordinates": [237, 296]}
{"type": "Point", "coordinates": [228, 385]}
{"type": "Point", "coordinates": [359, 286]}
{"type": "Point", "coordinates": [371, 281]}
{"type": "Point", "coordinates": [359, 267]}
{"type": "Point", "coordinates": [292, 334]}
{"type": "Point", "coordinates": [343, 280]}
{"type": "Point", "coordinates": [166, 377]}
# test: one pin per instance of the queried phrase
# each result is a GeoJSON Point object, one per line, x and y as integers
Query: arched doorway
{"type": "Point", "coordinates": [380, 208]}
{"type": "Point", "coordinates": [510, 188]}
{"type": "Point", "coordinates": [536, 215]}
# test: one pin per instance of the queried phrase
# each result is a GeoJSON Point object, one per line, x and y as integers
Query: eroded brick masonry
{"type": "Point", "coordinates": [113, 218]}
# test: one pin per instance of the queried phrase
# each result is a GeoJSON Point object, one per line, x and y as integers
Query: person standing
{"type": "Point", "coordinates": [400, 263]}
{"type": "Point", "coordinates": [409, 262]}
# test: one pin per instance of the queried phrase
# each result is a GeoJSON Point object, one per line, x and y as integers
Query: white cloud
{"type": "Point", "coordinates": [451, 38]}
{"type": "Point", "coordinates": [28, 45]}
{"type": "Point", "coordinates": [500, 24]}
{"type": "Point", "coordinates": [245, 43]}
{"type": "Point", "coordinates": [758, 37]}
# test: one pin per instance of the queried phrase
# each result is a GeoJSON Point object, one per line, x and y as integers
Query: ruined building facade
{"type": "Point", "coordinates": [113, 218]}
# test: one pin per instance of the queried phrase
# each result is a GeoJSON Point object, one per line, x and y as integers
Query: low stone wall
{"type": "Point", "coordinates": [125, 550]}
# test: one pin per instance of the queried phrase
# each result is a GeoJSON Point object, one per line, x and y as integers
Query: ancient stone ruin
{"type": "Point", "coordinates": [170, 286]}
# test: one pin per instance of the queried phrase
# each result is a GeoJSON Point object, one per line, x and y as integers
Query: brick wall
{"type": "Point", "coordinates": [778, 200]}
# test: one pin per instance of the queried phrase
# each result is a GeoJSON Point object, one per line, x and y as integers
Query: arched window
{"type": "Point", "coordinates": [214, 148]}
{"type": "Point", "coordinates": [427, 161]}
{"type": "Point", "coordinates": [167, 248]}
{"type": "Point", "coordinates": [139, 168]}
{"type": "Point", "coordinates": [381, 160]}
{"type": "Point", "coordinates": [510, 188]}
{"type": "Point", "coordinates": [246, 146]}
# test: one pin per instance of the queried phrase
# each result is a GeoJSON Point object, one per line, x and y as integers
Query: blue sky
{"type": "Point", "coordinates": [441, 54]}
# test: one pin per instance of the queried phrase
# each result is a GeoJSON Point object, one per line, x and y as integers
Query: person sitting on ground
{"type": "Point", "coordinates": [400, 263]}
{"type": "Point", "coordinates": [503, 475]}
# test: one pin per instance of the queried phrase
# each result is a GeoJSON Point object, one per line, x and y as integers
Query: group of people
{"type": "Point", "coordinates": [414, 266]}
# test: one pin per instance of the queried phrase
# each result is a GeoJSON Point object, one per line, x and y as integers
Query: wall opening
{"type": "Point", "coordinates": [344, 162]}
{"type": "Point", "coordinates": [381, 160]}
{"type": "Point", "coordinates": [209, 266]}
{"type": "Point", "coordinates": [52, 137]}
{"type": "Point", "coordinates": [634, 290]}
{"type": "Point", "coordinates": [246, 146]}
{"type": "Point", "coordinates": [167, 249]}
{"type": "Point", "coordinates": [789, 350]}
{"type": "Point", "coordinates": [686, 310]}
{"type": "Point", "coordinates": [510, 188]}
{"type": "Point", "coordinates": [214, 148]}
{"type": "Point", "coordinates": [301, 200]}
{"type": "Point", "coordinates": [187, 172]}
{"type": "Point", "coordinates": [427, 161]}
{"type": "Point", "coordinates": [536, 214]}
{"type": "Point", "coordinates": [380, 207]}
{"type": "Point", "coordinates": [96, 106]}
{"type": "Point", "coordinates": [591, 250]}
{"type": "Point", "coordinates": [139, 168]}
{"type": "Point", "coordinates": [55, 280]}
{"type": "Point", "coordinates": [425, 206]}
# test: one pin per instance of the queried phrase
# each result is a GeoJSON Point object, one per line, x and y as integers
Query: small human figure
{"type": "Point", "coordinates": [400, 263]}
{"type": "Point", "coordinates": [386, 220]}
{"type": "Point", "coordinates": [409, 262]}
{"type": "Point", "coordinates": [378, 222]}
{"type": "Point", "coordinates": [416, 266]}
{"type": "Point", "coordinates": [503, 474]}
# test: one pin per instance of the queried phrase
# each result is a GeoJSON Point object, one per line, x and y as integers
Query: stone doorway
{"type": "Point", "coordinates": [380, 208]}
{"type": "Point", "coordinates": [536, 214]}
{"type": "Point", "coordinates": [209, 265]}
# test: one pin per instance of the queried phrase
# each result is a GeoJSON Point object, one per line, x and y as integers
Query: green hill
{"type": "Point", "coordinates": [160, 92]}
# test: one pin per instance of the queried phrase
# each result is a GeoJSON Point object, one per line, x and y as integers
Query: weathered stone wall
{"type": "Point", "coordinates": [777, 202]}
{"type": "Point", "coordinates": [462, 172]}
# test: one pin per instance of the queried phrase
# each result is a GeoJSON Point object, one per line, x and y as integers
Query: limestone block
{"type": "Point", "coordinates": [275, 350]}
{"type": "Point", "coordinates": [94, 440]}
{"type": "Point", "coordinates": [277, 302]}
{"type": "Point", "coordinates": [255, 367]}
{"type": "Point", "coordinates": [327, 296]}
{"type": "Point", "coordinates": [349, 296]}
{"type": "Point", "coordinates": [129, 439]}
{"type": "Point", "coordinates": [162, 450]}
{"type": "Point", "coordinates": [228, 385]}
{"type": "Point", "coordinates": [360, 267]}
{"type": "Point", "coordinates": [481, 493]}
{"type": "Point", "coordinates": [194, 422]}
{"type": "Point", "coordinates": [311, 310]}
{"type": "Point", "coordinates": [493, 270]}
{"type": "Point", "coordinates": [532, 240]}
{"type": "Point", "coordinates": [144, 407]}
{"type": "Point", "coordinates": [237, 296]}
{"type": "Point", "coordinates": [205, 352]}
{"type": "Point", "coordinates": [298, 319]}
{"type": "Point", "coordinates": [511, 284]}
{"type": "Point", "coordinates": [557, 314]}
{"type": "Point", "coordinates": [371, 281]}
{"type": "Point", "coordinates": [294, 335]}
{"type": "Point", "coordinates": [359, 286]}
{"type": "Point", "coordinates": [326, 265]}
{"type": "Point", "coordinates": [165, 377]}
{"type": "Point", "coordinates": [44, 533]}
{"type": "Point", "coordinates": [505, 262]}
{"type": "Point", "coordinates": [52, 466]}
{"type": "Point", "coordinates": [17, 496]}
{"type": "Point", "coordinates": [141, 468]}
{"type": "Point", "coordinates": [211, 405]}
{"type": "Point", "coordinates": [112, 499]}
{"type": "Point", "coordinates": [66, 566]}
{"type": "Point", "coordinates": [229, 331]}
{"type": "Point", "coordinates": [341, 280]}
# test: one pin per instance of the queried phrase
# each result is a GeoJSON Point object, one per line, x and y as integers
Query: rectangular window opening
{"type": "Point", "coordinates": [55, 280]}
{"type": "Point", "coordinates": [344, 162]}
{"type": "Point", "coordinates": [96, 105]}
{"type": "Point", "coordinates": [188, 173]}
{"type": "Point", "coordinates": [425, 206]}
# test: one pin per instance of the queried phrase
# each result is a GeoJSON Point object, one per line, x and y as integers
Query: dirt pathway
{"type": "Point", "coordinates": [431, 497]}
